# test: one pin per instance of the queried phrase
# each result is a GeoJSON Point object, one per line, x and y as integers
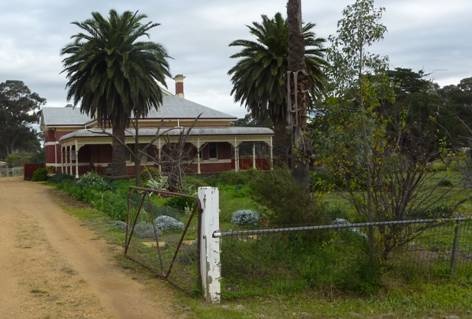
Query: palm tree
{"type": "Point", "coordinates": [259, 77]}
{"type": "Point", "coordinates": [113, 74]}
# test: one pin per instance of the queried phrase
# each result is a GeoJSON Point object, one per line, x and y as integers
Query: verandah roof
{"type": "Point", "coordinates": [197, 131]}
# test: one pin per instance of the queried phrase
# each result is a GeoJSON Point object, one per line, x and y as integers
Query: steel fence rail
{"type": "Point", "coordinates": [266, 231]}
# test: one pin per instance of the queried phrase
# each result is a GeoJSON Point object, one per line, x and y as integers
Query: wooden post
{"type": "Point", "coordinates": [199, 171]}
{"type": "Point", "coordinates": [62, 159]}
{"type": "Point", "coordinates": [236, 155]}
{"type": "Point", "coordinates": [68, 160]}
{"type": "Point", "coordinates": [76, 159]}
{"type": "Point", "coordinates": [55, 157]}
{"type": "Point", "coordinates": [254, 166]}
{"type": "Point", "coordinates": [159, 155]}
{"type": "Point", "coordinates": [210, 265]}
{"type": "Point", "coordinates": [271, 146]}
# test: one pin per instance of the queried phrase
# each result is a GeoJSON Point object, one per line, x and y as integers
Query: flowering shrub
{"type": "Point", "coordinates": [245, 217]}
{"type": "Point", "coordinates": [93, 180]}
{"type": "Point", "coordinates": [164, 223]}
{"type": "Point", "coordinates": [157, 183]}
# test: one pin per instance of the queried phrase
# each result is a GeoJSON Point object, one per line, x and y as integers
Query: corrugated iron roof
{"type": "Point", "coordinates": [197, 131]}
{"type": "Point", "coordinates": [173, 107]}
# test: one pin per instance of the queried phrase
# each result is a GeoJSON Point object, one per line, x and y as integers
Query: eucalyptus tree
{"type": "Point", "coordinates": [114, 72]}
{"type": "Point", "coordinates": [350, 54]}
{"type": "Point", "coordinates": [357, 80]}
{"type": "Point", "coordinates": [260, 75]}
{"type": "Point", "coordinates": [18, 113]}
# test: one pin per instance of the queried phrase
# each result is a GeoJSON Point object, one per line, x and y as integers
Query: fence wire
{"type": "Point", "coordinates": [162, 235]}
{"type": "Point", "coordinates": [335, 258]}
{"type": "Point", "coordinates": [13, 171]}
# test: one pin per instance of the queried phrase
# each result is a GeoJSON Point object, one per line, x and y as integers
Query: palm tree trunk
{"type": "Point", "coordinates": [282, 144]}
{"type": "Point", "coordinates": [118, 160]}
{"type": "Point", "coordinates": [296, 65]}
{"type": "Point", "coordinates": [137, 154]}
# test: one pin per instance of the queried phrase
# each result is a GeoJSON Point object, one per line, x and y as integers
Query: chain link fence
{"type": "Point", "coordinates": [335, 258]}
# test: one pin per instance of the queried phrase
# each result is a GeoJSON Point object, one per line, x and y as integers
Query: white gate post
{"type": "Point", "coordinates": [210, 265]}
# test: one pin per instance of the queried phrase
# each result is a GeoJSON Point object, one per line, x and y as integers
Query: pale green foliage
{"type": "Point", "coordinates": [369, 138]}
{"type": "Point", "coordinates": [158, 182]}
{"type": "Point", "coordinates": [349, 56]}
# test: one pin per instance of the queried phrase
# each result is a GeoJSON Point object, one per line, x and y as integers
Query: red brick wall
{"type": "Point", "coordinates": [225, 151]}
{"type": "Point", "coordinates": [53, 135]}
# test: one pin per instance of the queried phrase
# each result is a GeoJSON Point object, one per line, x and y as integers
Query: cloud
{"type": "Point", "coordinates": [423, 34]}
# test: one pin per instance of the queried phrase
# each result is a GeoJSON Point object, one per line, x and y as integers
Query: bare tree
{"type": "Point", "coordinates": [173, 158]}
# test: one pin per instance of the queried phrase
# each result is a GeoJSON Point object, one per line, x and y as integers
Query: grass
{"type": "Point", "coordinates": [420, 301]}
{"type": "Point", "coordinates": [291, 298]}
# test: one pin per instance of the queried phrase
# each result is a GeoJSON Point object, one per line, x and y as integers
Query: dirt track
{"type": "Point", "coordinates": [52, 267]}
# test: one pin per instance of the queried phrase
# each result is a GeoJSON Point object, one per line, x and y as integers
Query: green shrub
{"type": "Point", "coordinates": [322, 182]}
{"type": "Point", "coordinates": [232, 178]}
{"type": "Point", "coordinates": [292, 262]}
{"type": "Point", "coordinates": [113, 204]}
{"type": "Point", "coordinates": [150, 172]}
{"type": "Point", "coordinates": [181, 202]}
{"type": "Point", "coordinates": [94, 181]}
{"type": "Point", "coordinates": [41, 174]}
{"type": "Point", "coordinates": [438, 211]}
{"type": "Point", "coordinates": [289, 203]}
{"type": "Point", "coordinates": [60, 178]}
{"type": "Point", "coordinates": [445, 183]}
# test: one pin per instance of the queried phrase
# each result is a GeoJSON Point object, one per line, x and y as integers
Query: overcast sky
{"type": "Point", "coordinates": [433, 35]}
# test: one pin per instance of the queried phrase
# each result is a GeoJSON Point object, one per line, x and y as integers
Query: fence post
{"type": "Point", "coordinates": [210, 266]}
{"type": "Point", "coordinates": [455, 247]}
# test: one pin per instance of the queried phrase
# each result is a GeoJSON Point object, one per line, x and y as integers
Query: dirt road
{"type": "Point", "coordinates": [52, 267]}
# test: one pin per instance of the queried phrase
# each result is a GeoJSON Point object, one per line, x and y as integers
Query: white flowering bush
{"type": "Point", "coordinates": [158, 183]}
{"type": "Point", "coordinates": [165, 222]}
{"type": "Point", "coordinates": [245, 217]}
{"type": "Point", "coordinates": [93, 180]}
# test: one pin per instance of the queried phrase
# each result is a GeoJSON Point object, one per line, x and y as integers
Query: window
{"type": "Point", "coordinates": [213, 150]}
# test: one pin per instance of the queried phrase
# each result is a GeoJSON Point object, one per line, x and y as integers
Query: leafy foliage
{"type": "Point", "coordinates": [349, 56]}
{"type": "Point", "coordinates": [94, 181]}
{"type": "Point", "coordinates": [108, 198]}
{"type": "Point", "coordinates": [21, 158]}
{"type": "Point", "coordinates": [18, 110]}
{"type": "Point", "coordinates": [39, 175]}
{"type": "Point", "coordinates": [288, 203]}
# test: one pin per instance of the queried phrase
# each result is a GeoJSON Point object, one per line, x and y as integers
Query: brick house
{"type": "Point", "coordinates": [75, 144]}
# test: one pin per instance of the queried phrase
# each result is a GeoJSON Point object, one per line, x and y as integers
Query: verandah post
{"type": "Point", "coordinates": [210, 265]}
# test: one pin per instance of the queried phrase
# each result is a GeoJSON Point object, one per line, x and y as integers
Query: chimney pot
{"type": "Point", "coordinates": [179, 85]}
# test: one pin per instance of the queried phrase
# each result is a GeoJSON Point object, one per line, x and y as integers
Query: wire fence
{"type": "Point", "coordinates": [163, 232]}
{"type": "Point", "coordinates": [11, 171]}
{"type": "Point", "coordinates": [162, 235]}
{"type": "Point", "coordinates": [336, 257]}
